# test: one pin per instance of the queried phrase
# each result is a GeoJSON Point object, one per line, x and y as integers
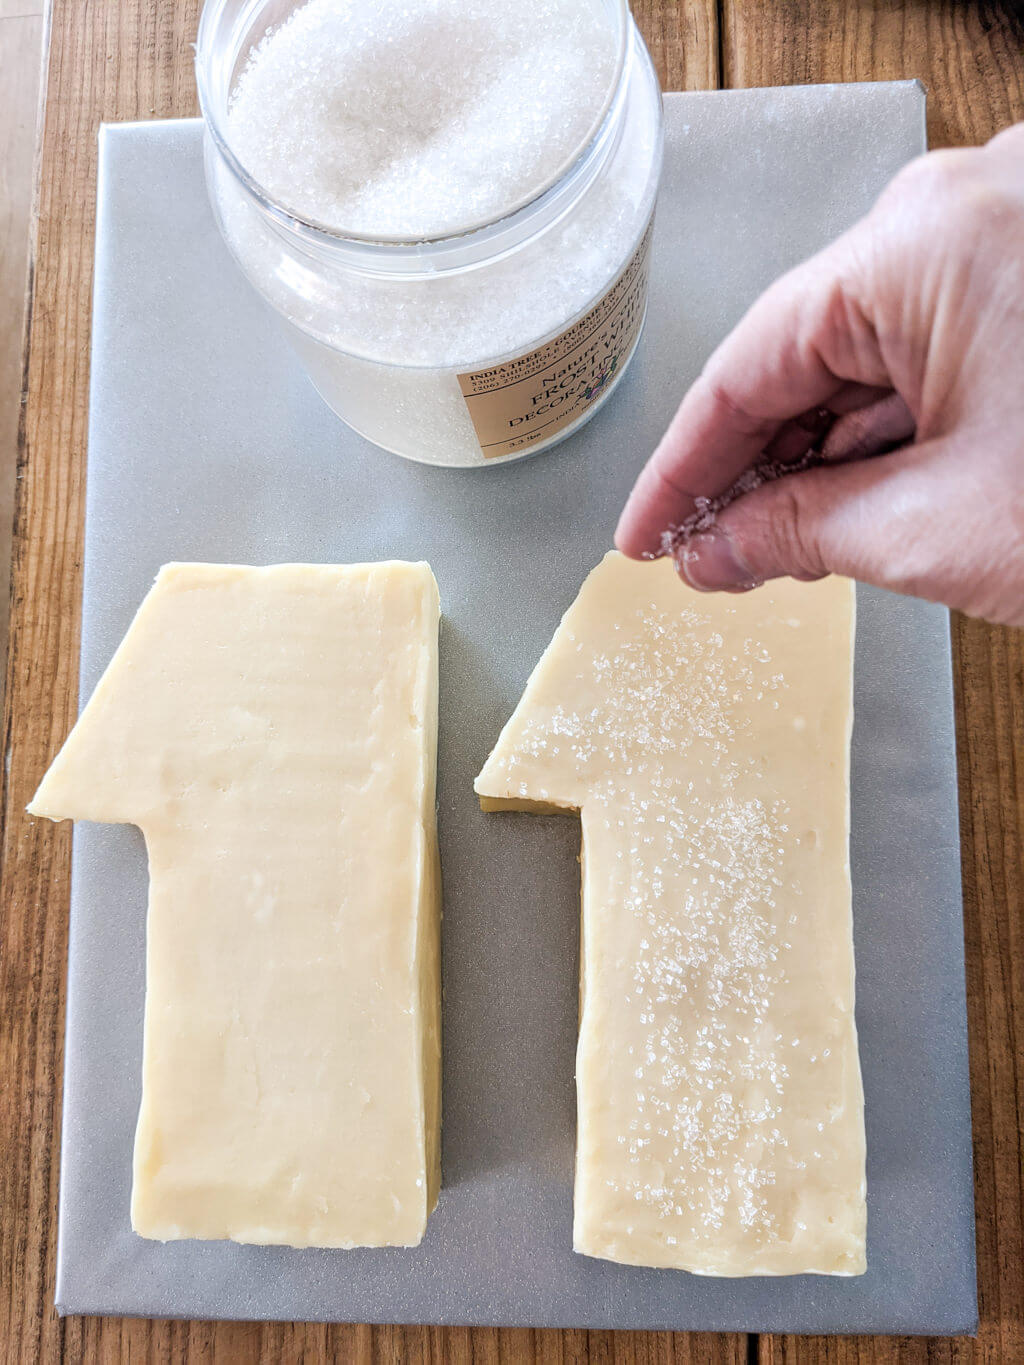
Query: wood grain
{"type": "Point", "coordinates": [237, 1343]}
{"type": "Point", "coordinates": [971, 59]}
{"type": "Point", "coordinates": [682, 36]}
{"type": "Point", "coordinates": [21, 46]}
{"type": "Point", "coordinates": [115, 61]}
{"type": "Point", "coordinates": [122, 59]}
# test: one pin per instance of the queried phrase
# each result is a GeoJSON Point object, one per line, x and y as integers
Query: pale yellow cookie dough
{"type": "Point", "coordinates": [273, 732]}
{"type": "Point", "coordinates": [705, 741]}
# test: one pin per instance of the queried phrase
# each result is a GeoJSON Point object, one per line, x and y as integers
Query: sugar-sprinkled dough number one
{"type": "Point", "coordinates": [273, 732]}
{"type": "Point", "coordinates": [705, 743]}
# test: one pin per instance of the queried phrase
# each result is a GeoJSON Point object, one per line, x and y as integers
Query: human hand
{"type": "Point", "coordinates": [910, 328]}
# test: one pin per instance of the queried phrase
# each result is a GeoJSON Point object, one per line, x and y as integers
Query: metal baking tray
{"type": "Point", "coordinates": [207, 442]}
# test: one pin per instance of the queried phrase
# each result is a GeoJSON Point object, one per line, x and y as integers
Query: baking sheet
{"type": "Point", "coordinates": [207, 442]}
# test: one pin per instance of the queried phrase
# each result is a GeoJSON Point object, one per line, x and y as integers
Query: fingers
{"type": "Point", "coordinates": [896, 521]}
{"type": "Point", "coordinates": [860, 420]}
{"type": "Point", "coordinates": [869, 431]}
{"type": "Point", "coordinates": [805, 525]}
{"type": "Point", "coordinates": [804, 343]}
{"type": "Point", "coordinates": [797, 436]}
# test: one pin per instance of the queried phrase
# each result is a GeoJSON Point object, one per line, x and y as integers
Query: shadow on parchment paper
{"type": "Point", "coordinates": [509, 951]}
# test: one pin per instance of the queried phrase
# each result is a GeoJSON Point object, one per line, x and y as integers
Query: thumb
{"type": "Point", "coordinates": [806, 342]}
{"type": "Point", "coordinates": [896, 521]}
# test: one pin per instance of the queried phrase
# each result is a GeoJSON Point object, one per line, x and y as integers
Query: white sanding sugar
{"type": "Point", "coordinates": [415, 119]}
{"type": "Point", "coordinates": [419, 117]}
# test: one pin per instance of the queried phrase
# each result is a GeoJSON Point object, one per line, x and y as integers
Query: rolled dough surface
{"type": "Point", "coordinates": [705, 742]}
{"type": "Point", "coordinates": [273, 733]}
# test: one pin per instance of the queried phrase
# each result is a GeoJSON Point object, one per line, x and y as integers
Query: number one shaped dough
{"type": "Point", "coordinates": [273, 731]}
{"type": "Point", "coordinates": [705, 742]}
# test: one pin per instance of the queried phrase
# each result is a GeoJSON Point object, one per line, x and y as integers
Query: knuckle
{"type": "Point", "coordinates": [785, 537]}
{"type": "Point", "coordinates": [795, 533]}
{"type": "Point", "coordinates": [663, 475]}
{"type": "Point", "coordinates": [987, 205]}
{"type": "Point", "coordinates": [936, 175]}
{"type": "Point", "coordinates": [850, 333]}
{"type": "Point", "coordinates": [1008, 140]}
{"type": "Point", "coordinates": [723, 398]}
{"type": "Point", "coordinates": [960, 191]}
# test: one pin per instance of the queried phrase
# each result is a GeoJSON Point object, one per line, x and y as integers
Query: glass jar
{"type": "Point", "coordinates": [473, 348]}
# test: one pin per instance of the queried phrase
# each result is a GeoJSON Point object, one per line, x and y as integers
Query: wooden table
{"type": "Point", "coordinates": [132, 59]}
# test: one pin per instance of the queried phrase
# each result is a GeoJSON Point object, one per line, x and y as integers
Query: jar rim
{"type": "Point", "coordinates": [588, 146]}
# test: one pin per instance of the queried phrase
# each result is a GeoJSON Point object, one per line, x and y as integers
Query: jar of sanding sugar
{"type": "Point", "coordinates": [448, 201]}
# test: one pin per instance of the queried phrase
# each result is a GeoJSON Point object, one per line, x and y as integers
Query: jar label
{"type": "Point", "coordinates": [530, 398]}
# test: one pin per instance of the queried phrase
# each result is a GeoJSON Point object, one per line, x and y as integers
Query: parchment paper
{"type": "Point", "coordinates": [207, 442]}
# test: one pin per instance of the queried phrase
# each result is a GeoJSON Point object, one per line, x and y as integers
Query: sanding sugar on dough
{"type": "Point", "coordinates": [705, 742]}
{"type": "Point", "coordinates": [273, 732]}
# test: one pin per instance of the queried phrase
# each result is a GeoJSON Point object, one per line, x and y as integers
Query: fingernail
{"type": "Point", "coordinates": [709, 562]}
